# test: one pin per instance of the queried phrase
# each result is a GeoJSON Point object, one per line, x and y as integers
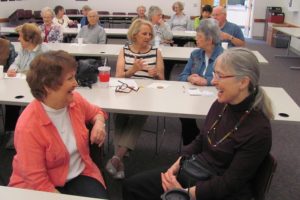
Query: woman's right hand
{"type": "Point", "coordinates": [11, 73]}
{"type": "Point", "coordinates": [168, 178]}
{"type": "Point", "coordinates": [175, 167]}
{"type": "Point", "coordinates": [138, 65]}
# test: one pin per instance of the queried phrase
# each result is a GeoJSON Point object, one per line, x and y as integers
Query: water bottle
{"type": "Point", "coordinates": [156, 41]}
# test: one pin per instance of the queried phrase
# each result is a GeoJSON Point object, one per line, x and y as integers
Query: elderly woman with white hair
{"type": "Point", "coordinates": [199, 68]}
{"type": "Point", "coordinates": [50, 31]}
{"type": "Point", "coordinates": [141, 13]}
{"type": "Point", "coordinates": [236, 138]}
{"type": "Point", "coordinates": [179, 22]}
{"type": "Point", "coordinates": [162, 35]}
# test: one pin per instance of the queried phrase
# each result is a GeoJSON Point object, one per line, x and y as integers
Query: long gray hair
{"type": "Point", "coordinates": [244, 63]}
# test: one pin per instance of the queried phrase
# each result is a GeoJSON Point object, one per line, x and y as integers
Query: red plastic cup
{"type": "Point", "coordinates": [104, 75]}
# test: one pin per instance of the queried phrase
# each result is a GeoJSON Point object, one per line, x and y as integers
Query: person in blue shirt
{"type": "Point", "coordinates": [199, 68]}
{"type": "Point", "coordinates": [231, 32]}
{"type": "Point", "coordinates": [84, 20]}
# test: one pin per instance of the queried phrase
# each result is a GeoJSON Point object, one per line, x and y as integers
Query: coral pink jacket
{"type": "Point", "coordinates": [42, 160]}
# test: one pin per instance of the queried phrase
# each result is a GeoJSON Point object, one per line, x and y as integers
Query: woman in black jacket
{"type": "Point", "coordinates": [235, 138]}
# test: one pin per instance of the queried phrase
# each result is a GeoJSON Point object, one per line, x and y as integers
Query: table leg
{"type": "Point", "coordinates": [287, 55]}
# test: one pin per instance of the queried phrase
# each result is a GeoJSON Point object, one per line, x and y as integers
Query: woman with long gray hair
{"type": "Point", "coordinates": [236, 137]}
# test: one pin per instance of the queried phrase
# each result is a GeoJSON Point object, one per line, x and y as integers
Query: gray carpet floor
{"type": "Point", "coordinates": [286, 136]}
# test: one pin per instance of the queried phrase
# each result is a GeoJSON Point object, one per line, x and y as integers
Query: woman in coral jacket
{"type": "Point", "coordinates": [51, 139]}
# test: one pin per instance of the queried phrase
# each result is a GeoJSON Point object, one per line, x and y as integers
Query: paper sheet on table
{"type": "Point", "coordinates": [198, 92]}
{"type": "Point", "coordinates": [158, 85]}
{"type": "Point", "coordinates": [118, 82]}
{"type": "Point", "coordinates": [18, 75]}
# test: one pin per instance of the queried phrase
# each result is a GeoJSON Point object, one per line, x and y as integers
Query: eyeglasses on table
{"type": "Point", "coordinates": [125, 88]}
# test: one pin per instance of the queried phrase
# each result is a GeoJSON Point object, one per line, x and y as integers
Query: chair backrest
{"type": "Point", "coordinates": [263, 177]}
{"type": "Point", "coordinates": [119, 13]}
{"type": "Point", "coordinates": [132, 13]}
{"type": "Point", "coordinates": [28, 14]}
{"type": "Point", "coordinates": [103, 13]}
{"type": "Point", "coordinates": [72, 11]}
{"type": "Point", "coordinates": [165, 17]}
{"type": "Point", "coordinates": [4, 51]}
{"type": "Point", "coordinates": [17, 14]}
{"type": "Point", "coordinates": [37, 14]}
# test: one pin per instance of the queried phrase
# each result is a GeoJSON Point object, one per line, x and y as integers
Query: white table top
{"type": "Point", "coordinates": [171, 101]}
{"type": "Point", "coordinates": [105, 16]}
{"type": "Point", "coordinates": [121, 32]}
{"type": "Point", "coordinates": [292, 31]}
{"type": "Point", "coordinates": [10, 193]}
{"type": "Point", "coordinates": [168, 53]}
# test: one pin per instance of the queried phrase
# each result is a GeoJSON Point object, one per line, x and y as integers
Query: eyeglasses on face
{"type": "Point", "coordinates": [125, 88]}
{"type": "Point", "coordinates": [219, 77]}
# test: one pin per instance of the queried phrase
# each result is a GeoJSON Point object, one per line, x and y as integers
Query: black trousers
{"type": "Point", "coordinates": [144, 186]}
{"type": "Point", "coordinates": [84, 186]}
{"type": "Point", "coordinates": [168, 66]}
{"type": "Point", "coordinates": [180, 41]}
{"type": "Point", "coordinates": [11, 117]}
{"type": "Point", "coordinates": [189, 130]}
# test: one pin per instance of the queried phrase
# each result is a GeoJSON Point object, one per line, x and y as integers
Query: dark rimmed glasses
{"type": "Point", "coordinates": [220, 77]}
{"type": "Point", "coordinates": [125, 88]}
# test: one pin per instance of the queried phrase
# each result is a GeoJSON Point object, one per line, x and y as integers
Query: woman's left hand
{"type": "Point", "coordinates": [98, 133]}
{"type": "Point", "coordinates": [169, 181]}
{"type": "Point", "coordinates": [152, 71]}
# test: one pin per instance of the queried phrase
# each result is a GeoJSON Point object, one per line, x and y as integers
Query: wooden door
{"type": "Point", "coordinates": [206, 2]}
{"type": "Point", "coordinates": [248, 17]}
{"type": "Point", "coordinates": [211, 2]}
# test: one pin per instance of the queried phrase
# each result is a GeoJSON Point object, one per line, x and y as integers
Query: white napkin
{"type": "Point", "coordinates": [198, 92]}
{"type": "Point", "coordinates": [158, 85]}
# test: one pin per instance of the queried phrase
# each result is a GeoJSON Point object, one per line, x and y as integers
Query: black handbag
{"type": "Point", "coordinates": [87, 72]}
{"type": "Point", "coordinates": [192, 169]}
{"type": "Point", "coordinates": [175, 194]}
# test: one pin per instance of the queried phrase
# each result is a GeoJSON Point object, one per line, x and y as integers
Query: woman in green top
{"type": "Point", "coordinates": [206, 12]}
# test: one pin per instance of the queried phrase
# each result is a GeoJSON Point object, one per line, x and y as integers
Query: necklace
{"type": "Point", "coordinates": [61, 21]}
{"type": "Point", "coordinates": [212, 130]}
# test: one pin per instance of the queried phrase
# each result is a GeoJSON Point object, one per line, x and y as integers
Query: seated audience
{"type": "Point", "coordinates": [162, 34]}
{"type": "Point", "coordinates": [199, 68]}
{"type": "Point", "coordinates": [50, 32]}
{"type": "Point", "coordinates": [51, 138]}
{"type": "Point", "coordinates": [141, 13]}
{"type": "Point", "coordinates": [61, 19]}
{"type": "Point", "coordinates": [231, 32]}
{"type": "Point", "coordinates": [7, 53]}
{"type": "Point", "coordinates": [84, 20]}
{"type": "Point", "coordinates": [179, 22]}
{"type": "Point", "coordinates": [236, 137]}
{"type": "Point", "coordinates": [137, 60]}
{"type": "Point", "coordinates": [205, 13]}
{"type": "Point", "coordinates": [31, 43]}
{"type": "Point", "coordinates": [92, 33]}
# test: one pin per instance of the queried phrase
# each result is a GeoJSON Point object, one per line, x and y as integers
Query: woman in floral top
{"type": "Point", "coordinates": [50, 31]}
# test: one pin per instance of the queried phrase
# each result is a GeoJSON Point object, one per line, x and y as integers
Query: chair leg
{"type": "Point", "coordinates": [157, 132]}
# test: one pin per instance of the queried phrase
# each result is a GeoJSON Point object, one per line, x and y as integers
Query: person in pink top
{"type": "Point", "coordinates": [51, 138]}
